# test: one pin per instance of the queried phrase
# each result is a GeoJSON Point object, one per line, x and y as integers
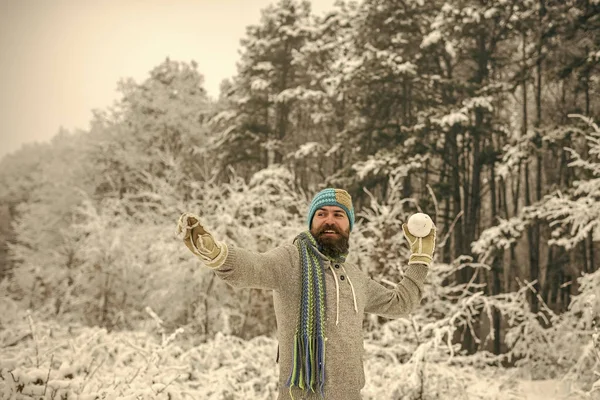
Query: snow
{"type": "Point", "coordinates": [333, 149]}
{"type": "Point", "coordinates": [461, 116]}
{"type": "Point", "coordinates": [224, 117]}
{"type": "Point", "coordinates": [513, 155]}
{"type": "Point", "coordinates": [298, 93]}
{"type": "Point", "coordinates": [405, 68]}
{"type": "Point", "coordinates": [482, 102]}
{"type": "Point", "coordinates": [263, 66]}
{"type": "Point", "coordinates": [175, 331]}
{"type": "Point", "coordinates": [259, 84]}
{"type": "Point", "coordinates": [431, 38]}
{"type": "Point", "coordinates": [447, 9]}
{"type": "Point", "coordinates": [159, 359]}
{"type": "Point", "coordinates": [121, 365]}
{"type": "Point", "coordinates": [371, 165]}
{"type": "Point", "coordinates": [454, 118]}
{"type": "Point", "coordinates": [490, 12]}
{"type": "Point", "coordinates": [449, 47]}
{"type": "Point", "coordinates": [307, 150]}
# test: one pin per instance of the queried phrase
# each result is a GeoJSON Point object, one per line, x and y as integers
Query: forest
{"type": "Point", "coordinates": [481, 113]}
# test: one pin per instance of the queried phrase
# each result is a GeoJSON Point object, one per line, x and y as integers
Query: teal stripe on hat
{"type": "Point", "coordinates": [332, 197]}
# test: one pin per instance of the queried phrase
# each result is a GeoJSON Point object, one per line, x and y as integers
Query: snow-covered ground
{"type": "Point", "coordinates": [545, 390]}
{"type": "Point", "coordinates": [81, 363]}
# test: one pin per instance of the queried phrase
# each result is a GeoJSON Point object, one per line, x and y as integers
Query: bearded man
{"type": "Point", "coordinates": [319, 298]}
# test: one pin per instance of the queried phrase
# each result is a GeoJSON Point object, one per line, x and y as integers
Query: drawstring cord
{"type": "Point", "coordinates": [337, 297]}
{"type": "Point", "coordinates": [337, 294]}
{"type": "Point", "coordinates": [351, 287]}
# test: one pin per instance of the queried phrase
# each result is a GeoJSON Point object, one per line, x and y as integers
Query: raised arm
{"type": "Point", "coordinates": [406, 296]}
{"type": "Point", "coordinates": [236, 266]}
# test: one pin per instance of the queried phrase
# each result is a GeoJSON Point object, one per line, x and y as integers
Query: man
{"type": "Point", "coordinates": [319, 298]}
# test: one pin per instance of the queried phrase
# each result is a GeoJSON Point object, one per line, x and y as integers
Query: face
{"type": "Point", "coordinates": [331, 229]}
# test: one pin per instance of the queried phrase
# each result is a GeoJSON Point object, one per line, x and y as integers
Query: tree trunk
{"type": "Point", "coordinates": [496, 265]}
{"type": "Point", "coordinates": [511, 262]}
{"type": "Point", "coordinates": [283, 108]}
{"type": "Point", "coordinates": [458, 236]}
{"type": "Point", "coordinates": [104, 301]}
{"type": "Point", "coordinates": [532, 240]}
{"type": "Point", "coordinates": [590, 238]}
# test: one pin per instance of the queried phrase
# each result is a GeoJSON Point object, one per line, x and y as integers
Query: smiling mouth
{"type": "Point", "coordinates": [329, 232]}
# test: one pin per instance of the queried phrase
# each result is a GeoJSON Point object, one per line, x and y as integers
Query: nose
{"type": "Point", "coordinates": [330, 220]}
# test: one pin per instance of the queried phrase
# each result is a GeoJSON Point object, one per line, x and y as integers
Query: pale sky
{"type": "Point", "coordinates": [59, 59]}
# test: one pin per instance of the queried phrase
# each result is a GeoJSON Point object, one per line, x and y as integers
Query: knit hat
{"type": "Point", "coordinates": [332, 197]}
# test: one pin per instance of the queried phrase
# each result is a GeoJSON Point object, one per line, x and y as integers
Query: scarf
{"type": "Point", "coordinates": [308, 356]}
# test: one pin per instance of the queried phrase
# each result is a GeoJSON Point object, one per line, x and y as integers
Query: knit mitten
{"type": "Point", "coordinates": [421, 248]}
{"type": "Point", "coordinates": [200, 241]}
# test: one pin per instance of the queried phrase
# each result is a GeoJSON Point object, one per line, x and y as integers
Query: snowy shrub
{"type": "Point", "coordinates": [50, 361]}
{"type": "Point", "coordinates": [120, 254]}
{"type": "Point", "coordinates": [580, 325]}
{"type": "Point", "coordinates": [91, 363]}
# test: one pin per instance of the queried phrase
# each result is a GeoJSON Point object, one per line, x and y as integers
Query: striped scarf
{"type": "Point", "coordinates": [308, 357]}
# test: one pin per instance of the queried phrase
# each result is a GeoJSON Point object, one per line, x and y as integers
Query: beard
{"type": "Point", "coordinates": [332, 246]}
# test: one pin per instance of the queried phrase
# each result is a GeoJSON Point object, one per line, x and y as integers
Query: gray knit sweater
{"type": "Point", "coordinates": [349, 294]}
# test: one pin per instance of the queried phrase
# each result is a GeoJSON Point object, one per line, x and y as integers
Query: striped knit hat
{"type": "Point", "coordinates": [332, 197]}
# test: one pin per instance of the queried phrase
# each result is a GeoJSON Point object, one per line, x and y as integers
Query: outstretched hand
{"type": "Point", "coordinates": [421, 248]}
{"type": "Point", "coordinates": [185, 224]}
{"type": "Point", "coordinates": [196, 238]}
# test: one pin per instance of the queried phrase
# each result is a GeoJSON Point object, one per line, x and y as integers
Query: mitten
{"type": "Point", "coordinates": [420, 234]}
{"type": "Point", "coordinates": [200, 241]}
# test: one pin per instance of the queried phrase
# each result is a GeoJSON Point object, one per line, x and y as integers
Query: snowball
{"type": "Point", "coordinates": [419, 224]}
